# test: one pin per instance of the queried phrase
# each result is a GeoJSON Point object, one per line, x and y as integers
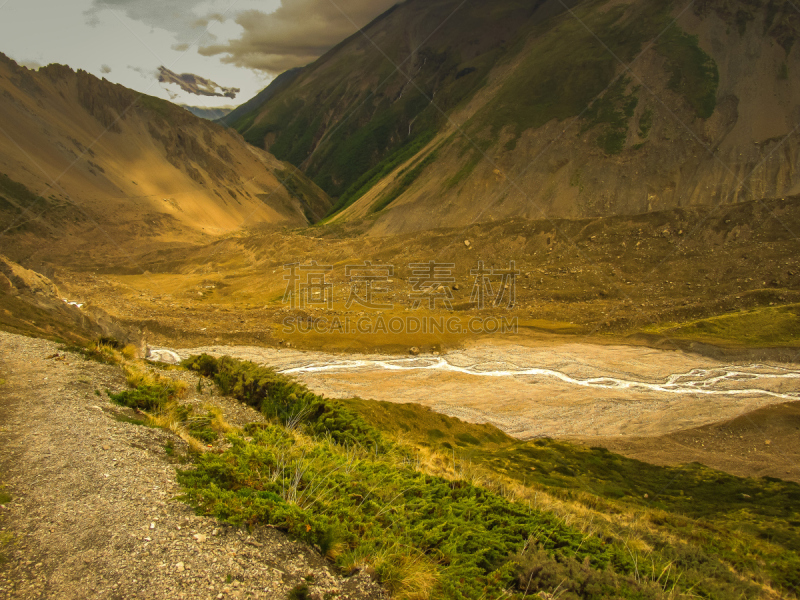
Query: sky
{"type": "Point", "coordinates": [209, 53]}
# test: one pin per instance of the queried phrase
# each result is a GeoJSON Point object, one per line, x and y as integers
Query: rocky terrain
{"type": "Point", "coordinates": [448, 113]}
{"type": "Point", "coordinates": [89, 500]}
{"type": "Point", "coordinates": [85, 163]}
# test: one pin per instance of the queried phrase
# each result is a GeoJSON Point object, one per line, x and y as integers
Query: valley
{"type": "Point", "coordinates": [484, 301]}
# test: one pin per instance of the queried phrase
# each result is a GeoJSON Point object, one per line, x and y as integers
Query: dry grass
{"type": "Point", "coordinates": [170, 419]}
{"type": "Point", "coordinates": [106, 353]}
{"type": "Point", "coordinates": [407, 573]}
{"type": "Point", "coordinates": [138, 375]}
{"type": "Point", "coordinates": [218, 422]}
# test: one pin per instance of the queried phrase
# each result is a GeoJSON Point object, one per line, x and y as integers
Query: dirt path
{"type": "Point", "coordinates": [93, 511]}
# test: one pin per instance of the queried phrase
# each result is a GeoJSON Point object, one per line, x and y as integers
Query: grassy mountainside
{"type": "Point", "coordinates": [438, 508]}
{"type": "Point", "coordinates": [87, 161]}
{"type": "Point", "coordinates": [512, 109]}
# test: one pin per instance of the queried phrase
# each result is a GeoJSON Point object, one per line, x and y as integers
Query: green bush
{"type": "Point", "coordinates": [145, 397]}
{"type": "Point", "coordinates": [288, 402]}
{"type": "Point", "coordinates": [370, 507]}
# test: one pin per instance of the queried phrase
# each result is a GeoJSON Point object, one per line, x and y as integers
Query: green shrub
{"type": "Point", "coordinates": [369, 506]}
{"type": "Point", "coordinates": [288, 402]}
{"type": "Point", "coordinates": [147, 397]}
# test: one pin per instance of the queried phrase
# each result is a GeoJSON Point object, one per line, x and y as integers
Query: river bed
{"type": "Point", "coordinates": [561, 390]}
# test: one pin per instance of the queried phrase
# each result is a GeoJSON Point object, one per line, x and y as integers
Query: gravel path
{"type": "Point", "coordinates": [93, 511]}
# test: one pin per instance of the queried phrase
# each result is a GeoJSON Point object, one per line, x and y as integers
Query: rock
{"type": "Point", "coordinates": [414, 351]}
{"type": "Point", "coordinates": [200, 537]}
{"type": "Point", "coordinates": [179, 567]}
{"type": "Point", "coordinates": [767, 442]}
{"type": "Point", "coordinates": [467, 243]}
{"type": "Point", "coordinates": [456, 287]}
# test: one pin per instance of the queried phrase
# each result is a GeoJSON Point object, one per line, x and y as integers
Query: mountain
{"type": "Point", "coordinates": [241, 118]}
{"type": "Point", "coordinates": [442, 113]}
{"type": "Point", "coordinates": [87, 162]}
{"type": "Point", "coordinates": [31, 304]}
{"type": "Point", "coordinates": [212, 114]}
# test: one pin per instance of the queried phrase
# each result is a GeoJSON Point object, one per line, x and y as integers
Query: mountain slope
{"type": "Point", "coordinates": [238, 117]}
{"type": "Point", "coordinates": [85, 158]}
{"type": "Point", "coordinates": [512, 109]}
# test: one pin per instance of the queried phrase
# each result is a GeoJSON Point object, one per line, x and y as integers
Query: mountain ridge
{"type": "Point", "coordinates": [684, 126]}
{"type": "Point", "coordinates": [94, 162]}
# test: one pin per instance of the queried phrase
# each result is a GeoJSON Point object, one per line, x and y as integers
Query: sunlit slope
{"type": "Point", "coordinates": [92, 156]}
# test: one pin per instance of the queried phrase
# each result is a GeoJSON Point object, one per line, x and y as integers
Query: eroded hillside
{"type": "Point", "coordinates": [443, 115]}
{"type": "Point", "coordinates": [87, 162]}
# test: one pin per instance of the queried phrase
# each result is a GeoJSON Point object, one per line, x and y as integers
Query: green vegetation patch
{"type": "Point", "coordinates": [381, 170]}
{"type": "Point", "coordinates": [715, 521]}
{"type": "Point", "coordinates": [354, 506]}
{"type": "Point", "coordinates": [611, 114]}
{"type": "Point", "coordinates": [288, 402]}
{"type": "Point", "coordinates": [568, 66]}
{"type": "Point", "coordinates": [694, 73]}
{"type": "Point", "coordinates": [645, 123]}
{"type": "Point", "coordinates": [325, 472]}
{"type": "Point", "coordinates": [475, 156]}
{"type": "Point", "coordinates": [758, 327]}
{"type": "Point", "coordinates": [144, 397]}
{"type": "Point", "coordinates": [406, 180]}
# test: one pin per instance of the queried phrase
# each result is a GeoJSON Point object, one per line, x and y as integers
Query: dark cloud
{"type": "Point", "coordinates": [294, 35]}
{"type": "Point", "coordinates": [194, 84]}
{"type": "Point", "coordinates": [298, 32]}
{"type": "Point", "coordinates": [105, 69]}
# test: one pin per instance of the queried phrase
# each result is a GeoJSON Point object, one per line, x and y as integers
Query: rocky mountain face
{"type": "Point", "coordinates": [90, 162]}
{"type": "Point", "coordinates": [31, 304]}
{"type": "Point", "coordinates": [441, 113]}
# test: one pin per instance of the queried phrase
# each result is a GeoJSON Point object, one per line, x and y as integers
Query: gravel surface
{"type": "Point", "coordinates": [94, 513]}
{"type": "Point", "coordinates": [531, 406]}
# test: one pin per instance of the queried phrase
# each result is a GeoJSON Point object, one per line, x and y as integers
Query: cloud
{"type": "Point", "coordinates": [298, 32]}
{"type": "Point", "coordinates": [194, 84]}
{"type": "Point", "coordinates": [295, 34]}
{"type": "Point", "coordinates": [145, 73]}
{"type": "Point", "coordinates": [105, 69]}
{"type": "Point", "coordinates": [176, 16]}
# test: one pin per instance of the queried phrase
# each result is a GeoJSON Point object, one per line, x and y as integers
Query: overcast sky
{"type": "Point", "coordinates": [231, 43]}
